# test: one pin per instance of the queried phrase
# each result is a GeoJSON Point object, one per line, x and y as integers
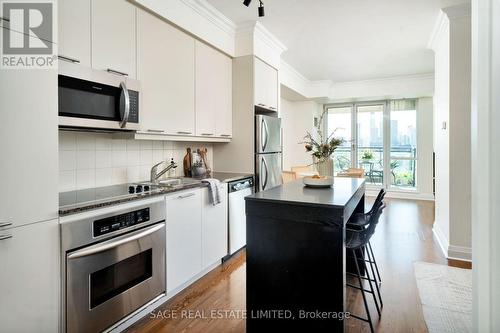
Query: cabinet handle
{"type": "Point", "coordinates": [180, 132]}
{"type": "Point", "coordinates": [113, 71]}
{"type": "Point", "coordinates": [225, 135]}
{"type": "Point", "coordinates": [2, 237]}
{"type": "Point", "coordinates": [272, 108]}
{"type": "Point", "coordinates": [5, 19]}
{"type": "Point", "coordinates": [68, 59]}
{"type": "Point", "coordinates": [260, 104]}
{"type": "Point", "coordinates": [155, 131]}
{"type": "Point", "coordinates": [5, 224]}
{"type": "Point", "coordinates": [185, 196]}
{"type": "Point", "coordinates": [207, 134]}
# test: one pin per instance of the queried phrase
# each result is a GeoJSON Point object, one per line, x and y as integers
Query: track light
{"type": "Point", "coordinates": [247, 2]}
{"type": "Point", "coordinates": [261, 9]}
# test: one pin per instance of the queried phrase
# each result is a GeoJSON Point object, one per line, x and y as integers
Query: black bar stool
{"type": "Point", "coordinates": [361, 220]}
{"type": "Point", "coordinates": [356, 240]}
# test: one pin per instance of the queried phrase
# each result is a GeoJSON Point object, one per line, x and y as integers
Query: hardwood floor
{"type": "Point", "coordinates": [403, 236]}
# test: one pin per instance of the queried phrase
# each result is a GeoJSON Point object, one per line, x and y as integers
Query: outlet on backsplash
{"type": "Point", "coordinates": [89, 159]}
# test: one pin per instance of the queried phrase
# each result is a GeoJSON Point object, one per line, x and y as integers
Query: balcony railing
{"type": "Point", "coordinates": [371, 158]}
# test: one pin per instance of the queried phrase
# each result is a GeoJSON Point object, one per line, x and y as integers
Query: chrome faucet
{"type": "Point", "coordinates": [155, 174]}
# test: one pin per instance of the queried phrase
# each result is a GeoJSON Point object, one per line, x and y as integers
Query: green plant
{"type": "Point", "coordinates": [367, 155]}
{"type": "Point", "coordinates": [321, 148]}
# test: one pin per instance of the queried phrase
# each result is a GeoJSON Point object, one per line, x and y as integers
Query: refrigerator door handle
{"type": "Point", "coordinates": [263, 163]}
{"type": "Point", "coordinates": [264, 134]}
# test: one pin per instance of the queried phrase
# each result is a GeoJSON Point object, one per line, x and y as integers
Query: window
{"type": "Point", "coordinates": [383, 141]}
{"type": "Point", "coordinates": [403, 123]}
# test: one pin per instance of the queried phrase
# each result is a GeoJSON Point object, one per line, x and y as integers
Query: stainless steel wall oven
{"type": "Point", "coordinates": [114, 261]}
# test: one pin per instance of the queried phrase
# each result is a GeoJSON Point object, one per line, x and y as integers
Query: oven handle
{"type": "Point", "coordinates": [126, 107]}
{"type": "Point", "coordinates": [115, 242]}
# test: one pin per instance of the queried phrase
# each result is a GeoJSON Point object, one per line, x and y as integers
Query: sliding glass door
{"type": "Point", "coordinates": [369, 141]}
{"type": "Point", "coordinates": [380, 138]}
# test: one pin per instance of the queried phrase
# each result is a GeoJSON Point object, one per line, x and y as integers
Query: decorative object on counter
{"type": "Point", "coordinates": [173, 166]}
{"type": "Point", "coordinates": [187, 163]}
{"type": "Point", "coordinates": [318, 181]}
{"type": "Point", "coordinates": [322, 148]}
{"type": "Point", "coordinates": [213, 190]}
{"type": "Point", "coordinates": [203, 154]}
{"type": "Point", "coordinates": [197, 165]}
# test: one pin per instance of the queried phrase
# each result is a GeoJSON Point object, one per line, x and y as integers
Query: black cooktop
{"type": "Point", "coordinates": [97, 194]}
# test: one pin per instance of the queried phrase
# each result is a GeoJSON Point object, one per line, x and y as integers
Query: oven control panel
{"type": "Point", "coordinates": [118, 222]}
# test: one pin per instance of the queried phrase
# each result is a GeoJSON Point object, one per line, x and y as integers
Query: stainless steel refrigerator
{"type": "Point", "coordinates": [268, 159]}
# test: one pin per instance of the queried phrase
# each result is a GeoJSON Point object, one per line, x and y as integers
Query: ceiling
{"type": "Point", "coordinates": [348, 40]}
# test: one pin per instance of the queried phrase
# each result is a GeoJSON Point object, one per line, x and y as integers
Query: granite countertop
{"type": "Point", "coordinates": [295, 192]}
{"type": "Point", "coordinates": [84, 200]}
{"type": "Point", "coordinates": [227, 177]}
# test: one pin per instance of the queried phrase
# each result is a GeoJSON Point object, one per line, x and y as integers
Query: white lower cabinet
{"type": "Point", "coordinates": [183, 237]}
{"type": "Point", "coordinates": [214, 228]}
{"type": "Point", "coordinates": [196, 234]}
{"type": "Point", "coordinates": [30, 278]}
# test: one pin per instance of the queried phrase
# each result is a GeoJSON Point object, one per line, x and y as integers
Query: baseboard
{"type": "Point", "coordinates": [460, 253]}
{"type": "Point", "coordinates": [403, 195]}
{"type": "Point", "coordinates": [441, 239]}
{"type": "Point", "coordinates": [451, 251]}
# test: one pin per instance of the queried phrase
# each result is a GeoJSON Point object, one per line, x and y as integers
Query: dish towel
{"type": "Point", "coordinates": [213, 190]}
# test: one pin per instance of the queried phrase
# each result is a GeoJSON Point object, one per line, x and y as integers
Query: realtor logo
{"type": "Point", "coordinates": [28, 35]}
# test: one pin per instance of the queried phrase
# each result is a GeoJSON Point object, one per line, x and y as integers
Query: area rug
{"type": "Point", "coordinates": [446, 296]}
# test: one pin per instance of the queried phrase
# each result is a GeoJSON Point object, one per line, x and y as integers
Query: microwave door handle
{"type": "Point", "coordinates": [126, 105]}
{"type": "Point", "coordinates": [115, 242]}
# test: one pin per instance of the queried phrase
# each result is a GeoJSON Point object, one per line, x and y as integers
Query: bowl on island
{"type": "Point", "coordinates": [318, 181]}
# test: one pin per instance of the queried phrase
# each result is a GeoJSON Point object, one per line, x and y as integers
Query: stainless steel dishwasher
{"type": "Point", "coordinates": [238, 190]}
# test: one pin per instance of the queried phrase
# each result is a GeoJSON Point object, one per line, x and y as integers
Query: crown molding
{"type": "Point", "coordinates": [438, 30]}
{"type": "Point", "coordinates": [209, 12]}
{"type": "Point", "coordinates": [444, 17]}
{"type": "Point", "coordinates": [258, 31]}
{"type": "Point", "coordinates": [458, 11]}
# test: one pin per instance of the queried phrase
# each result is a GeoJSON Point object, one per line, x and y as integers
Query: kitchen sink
{"type": "Point", "coordinates": [172, 182]}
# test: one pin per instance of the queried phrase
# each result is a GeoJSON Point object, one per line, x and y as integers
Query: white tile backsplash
{"type": "Point", "coordinates": [98, 159]}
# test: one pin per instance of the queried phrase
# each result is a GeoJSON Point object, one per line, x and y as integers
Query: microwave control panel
{"type": "Point", "coordinates": [118, 222]}
{"type": "Point", "coordinates": [134, 106]}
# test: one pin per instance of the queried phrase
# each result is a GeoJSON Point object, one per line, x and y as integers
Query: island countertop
{"type": "Point", "coordinates": [295, 192]}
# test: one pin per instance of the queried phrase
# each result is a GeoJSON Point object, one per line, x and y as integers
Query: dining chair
{"type": "Point", "coordinates": [288, 176]}
{"type": "Point", "coordinates": [352, 173]}
{"type": "Point", "coordinates": [303, 170]}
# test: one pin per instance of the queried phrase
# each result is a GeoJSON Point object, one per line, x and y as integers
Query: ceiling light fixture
{"type": "Point", "coordinates": [247, 2]}
{"type": "Point", "coordinates": [261, 9]}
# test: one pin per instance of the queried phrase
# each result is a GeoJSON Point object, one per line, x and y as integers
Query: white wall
{"type": "Point", "coordinates": [425, 147]}
{"type": "Point", "coordinates": [452, 46]}
{"type": "Point", "coordinates": [89, 160]}
{"type": "Point", "coordinates": [297, 119]}
{"type": "Point", "coordinates": [485, 163]}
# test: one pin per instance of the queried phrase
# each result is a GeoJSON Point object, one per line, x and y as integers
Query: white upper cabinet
{"type": "Point", "coordinates": [113, 36]}
{"type": "Point", "coordinates": [213, 92]}
{"type": "Point", "coordinates": [265, 85]}
{"type": "Point", "coordinates": [166, 72]}
{"type": "Point", "coordinates": [74, 31]}
{"type": "Point", "coordinates": [28, 146]}
{"type": "Point", "coordinates": [224, 107]}
{"type": "Point", "coordinates": [207, 79]}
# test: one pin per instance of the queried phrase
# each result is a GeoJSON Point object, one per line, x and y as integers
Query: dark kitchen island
{"type": "Point", "coordinates": [296, 258]}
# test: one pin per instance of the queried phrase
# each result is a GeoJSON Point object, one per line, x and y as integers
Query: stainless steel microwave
{"type": "Point", "coordinates": [96, 99]}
